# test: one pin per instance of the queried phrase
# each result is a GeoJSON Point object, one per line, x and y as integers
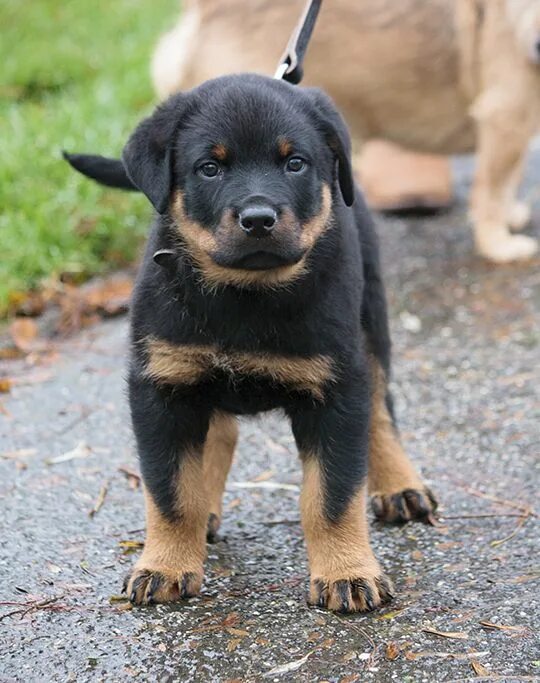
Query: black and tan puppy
{"type": "Point", "coordinates": [260, 289]}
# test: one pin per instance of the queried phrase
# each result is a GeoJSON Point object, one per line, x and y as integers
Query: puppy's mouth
{"type": "Point", "coordinates": [261, 260]}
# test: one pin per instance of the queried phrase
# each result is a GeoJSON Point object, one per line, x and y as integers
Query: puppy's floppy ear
{"type": "Point", "coordinates": [337, 136]}
{"type": "Point", "coordinates": [148, 156]}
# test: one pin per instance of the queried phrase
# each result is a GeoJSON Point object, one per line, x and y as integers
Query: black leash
{"type": "Point", "coordinates": [290, 65]}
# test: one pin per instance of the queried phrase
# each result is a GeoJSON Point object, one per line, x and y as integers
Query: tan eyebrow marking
{"type": "Point", "coordinates": [188, 364]}
{"type": "Point", "coordinates": [284, 147]}
{"type": "Point", "coordinates": [220, 152]}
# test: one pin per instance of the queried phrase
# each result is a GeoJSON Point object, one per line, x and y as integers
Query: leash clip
{"type": "Point", "coordinates": [290, 64]}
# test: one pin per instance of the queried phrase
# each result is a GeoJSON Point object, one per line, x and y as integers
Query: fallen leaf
{"type": "Point", "coordinates": [117, 598]}
{"type": "Point", "coordinates": [352, 678]}
{"type": "Point", "coordinates": [479, 669]}
{"type": "Point", "coordinates": [270, 485]}
{"type": "Point", "coordinates": [231, 619]}
{"type": "Point", "coordinates": [16, 455]}
{"type": "Point", "coordinates": [133, 478]}
{"type": "Point", "coordinates": [290, 666]}
{"type": "Point", "coordinates": [502, 627]}
{"type": "Point", "coordinates": [392, 651]}
{"type": "Point", "coordinates": [237, 632]}
{"type": "Point", "coordinates": [233, 644]}
{"type": "Point", "coordinates": [130, 546]}
{"type": "Point", "coordinates": [390, 615]}
{"type": "Point", "coordinates": [5, 385]}
{"type": "Point", "coordinates": [23, 332]}
{"type": "Point", "coordinates": [264, 476]}
{"type": "Point", "coordinates": [456, 635]}
{"type": "Point", "coordinates": [100, 500]}
{"type": "Point", "coordinates": [416, 555]}
{"type": "Point", "coordinates": [10, 353]}
{"type": "Point", "coordinates": [81, 450]}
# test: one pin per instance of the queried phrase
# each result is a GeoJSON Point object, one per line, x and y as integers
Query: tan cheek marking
{"type": "Point", "coordinates": [198, 239]}
{"type": "Point", "coordinates": [187, 364]}
{"type": "Point", "coordinates": [336, 550]}
{"type": "Point", "coordinates": [220, 152]}
{"type": "Point", "coordinates": [317, 225]}
{"type": "Point", "coordinates": [390, 469]}
{"type": "Point", "coordinates": [284, 147]}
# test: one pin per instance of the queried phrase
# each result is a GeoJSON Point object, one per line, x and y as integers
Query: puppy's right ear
{"type": "Point", "coordinates": [148, 157]}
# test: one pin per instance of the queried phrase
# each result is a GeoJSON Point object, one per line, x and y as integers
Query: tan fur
{"type": "Point", "coordinates": [218, 455]}
{"type": "Point", "coordinates": [390, 470]}
{"type": "Point", "coordinates": [284, 147]}
{"type": "Point", "coordinates": [188, 364]}
{"type": "Point", "coordinates": [202, 244]}
{"type": "Point", "coordinates": [465, 76]}
{"type": "Point", "coordinates": [337, 551]}
{"type": "Point", "coordinates": [175, 549]}
{"type": "Point", "coordinates": [220, 152]}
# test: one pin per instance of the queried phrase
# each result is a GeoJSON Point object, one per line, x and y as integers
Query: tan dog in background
{"type": "Point", "coordinates": [441, 76]}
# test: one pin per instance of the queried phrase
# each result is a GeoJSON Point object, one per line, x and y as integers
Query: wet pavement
{"type": "Point", "coordinates": [466, 356]}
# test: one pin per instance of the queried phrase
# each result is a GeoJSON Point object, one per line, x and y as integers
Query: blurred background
{"type": "Point", "coordinates": [73, 75]}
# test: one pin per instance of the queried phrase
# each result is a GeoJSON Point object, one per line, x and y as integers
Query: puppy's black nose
{"type": "Point", "coordinates": [257, 221]}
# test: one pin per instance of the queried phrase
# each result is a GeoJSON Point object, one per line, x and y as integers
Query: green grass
{"type": "Point", "coordinates": [74, 74]}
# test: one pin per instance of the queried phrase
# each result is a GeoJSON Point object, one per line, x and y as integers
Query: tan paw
{"type": "Point", "coordinates": [404, 506]}
{"type": "Point", "coordinates": [519, 216]}
{"type": "Point", "coordinates": [508, 248]}
{"type": "Point", "coordinates": [357, 594]}
{"type": "Point", "coordinates": [149, 586]}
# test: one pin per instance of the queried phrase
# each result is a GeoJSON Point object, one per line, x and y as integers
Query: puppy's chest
{"type": "Point", "coordinates": [190, 365]}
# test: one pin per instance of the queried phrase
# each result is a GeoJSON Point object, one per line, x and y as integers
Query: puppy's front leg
{"type": "Point", "coordinates": [333, 444]}
{"type": "Point", "coordinates": [170, 436]}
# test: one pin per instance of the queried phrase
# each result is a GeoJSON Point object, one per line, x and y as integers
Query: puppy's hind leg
{"type": "Point", "coordinates": [217, 459]}
{"type": "Point", "coordinates": [397, 492]}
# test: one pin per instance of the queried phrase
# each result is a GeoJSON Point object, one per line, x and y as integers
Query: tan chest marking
{"type": "Point", "coordinates": [188, 364]}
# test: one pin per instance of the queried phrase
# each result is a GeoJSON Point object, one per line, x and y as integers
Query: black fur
{"type": "Point", "coordinates": [336, 309]}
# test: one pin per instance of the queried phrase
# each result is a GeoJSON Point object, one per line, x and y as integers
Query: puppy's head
{"type": "Point", "coordinates": [247, 168]}
{"type": "Point", "coordinates": [524, 16]}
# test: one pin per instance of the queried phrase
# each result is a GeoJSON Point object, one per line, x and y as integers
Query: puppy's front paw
{"type": "Point", "coordinates": [361, 593]}
{"type": "Point", "coordinates": [404, 506]}
{"type": "Point", "coordinates": [149, 586]}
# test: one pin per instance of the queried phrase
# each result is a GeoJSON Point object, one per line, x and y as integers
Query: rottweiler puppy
{"type": "Point", "coordinates": [260, 289]}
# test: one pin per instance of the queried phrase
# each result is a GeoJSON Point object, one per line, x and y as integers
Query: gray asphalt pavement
{"type": "Point", "coordinates": [466, 357]}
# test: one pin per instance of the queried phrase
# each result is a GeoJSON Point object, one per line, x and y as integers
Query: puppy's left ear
{"type": "Point", "coordinates": [148, 154]}
{"type": "Point", "coordinates": [338, 139]}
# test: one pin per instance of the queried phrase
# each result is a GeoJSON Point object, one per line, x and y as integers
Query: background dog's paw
{"type": "Point", "coordinates": [519, 216]}
{"type": "Point", "coordinates": [149, 586]}
{"type": "Point", "coordinates": [404, 506]}
{"type": "Point", "coordinates": [212, 528]}
{"type": "Point", "coordinates": [511, 248]}
{"type": "Point", "coordinates": [351, 595]}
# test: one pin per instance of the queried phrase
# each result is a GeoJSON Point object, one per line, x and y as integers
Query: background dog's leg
{"type": "Point", "coordinates": [170, 436]}
{"type": "Point", "coordinates": [218, 455]}
{"type": "Point", "coordinates": [499, 159]}
{"type": "Point", "coordinates": [396, 490]}
{"type": "Point", "coordinates": [518, 212]}
{"type": "Point", "coordinates": [345, 575]}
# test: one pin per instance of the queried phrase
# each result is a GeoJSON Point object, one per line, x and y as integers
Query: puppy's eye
{"type": "Point", "coordinates": [209, 169]}
{"type": "Point", "coordinates": [295, 165]}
